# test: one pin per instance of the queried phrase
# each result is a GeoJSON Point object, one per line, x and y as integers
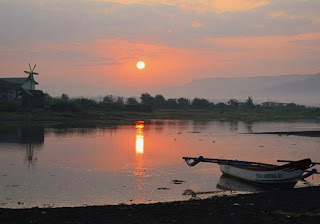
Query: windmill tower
{"type": "Point", "coordinates": [31, 78]}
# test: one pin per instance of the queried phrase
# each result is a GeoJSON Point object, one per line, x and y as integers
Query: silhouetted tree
{"type": "Point", "coordinates": [184, 103]}
{"type": "Point", "coordinates": [85, 103]}
{"type": "Point", "coordinates": [233, 102]}
{"type": "Point", "coordinates": [109, 99]}
{"type": "Point", "coordinates": [131, 100]}
{"type": "Point", "coordinates": [65, 97]}
{"type": "Point", "coordinates": [47, 96]}
{"type": "Point", "coordinates": [147, 99]}
{"type": "Point", "coordinates": [200, 103]}
{"type": "Point", "coordinates": [160, 102]}
{"type": "Point", "coordinates": [211, 105]}
{"type": "Point", "coordinates": [220, 105]}
{"type": "Point", "coordinates": [172, 104]}
{"type": "Point", "coordinates": [249, 102]}
{"type": "Point", "coordinates": [119, 103]}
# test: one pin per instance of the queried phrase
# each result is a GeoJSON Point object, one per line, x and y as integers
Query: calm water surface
{"type": "Point", "coordinates": [62, 165]}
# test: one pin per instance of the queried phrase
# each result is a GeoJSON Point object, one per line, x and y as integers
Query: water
{"type": "Point", "coordinates": [62, 165]}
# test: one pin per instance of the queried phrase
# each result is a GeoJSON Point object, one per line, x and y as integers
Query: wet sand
{"type": "Point", "coordinates": [300, 205]}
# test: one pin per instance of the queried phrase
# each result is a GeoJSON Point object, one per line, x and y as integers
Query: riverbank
{"type": "Point", "coordinates": [121, 116]}
{"type": "Point", "coordinates": [300, 205]}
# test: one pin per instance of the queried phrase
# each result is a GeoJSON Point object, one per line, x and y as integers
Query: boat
{"type": "Point", "coordinates": [262, 174]}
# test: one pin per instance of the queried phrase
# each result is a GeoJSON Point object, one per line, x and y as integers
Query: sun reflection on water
{"type": "Point", "coordinates": [139, 171]}
{"type": "Point", "coordinates": [139, 137]}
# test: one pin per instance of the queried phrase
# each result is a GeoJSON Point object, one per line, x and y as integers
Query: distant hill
{"type": "Point", "coordinates": [301, 89]}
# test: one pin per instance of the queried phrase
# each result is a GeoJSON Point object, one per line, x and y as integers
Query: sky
{"type": "Point", "coordinates": [91, 47]}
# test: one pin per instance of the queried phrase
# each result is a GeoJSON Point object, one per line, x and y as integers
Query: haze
{"type": "Point", "coordinates": [91, 47]}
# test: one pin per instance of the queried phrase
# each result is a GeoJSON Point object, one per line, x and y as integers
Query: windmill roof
{"type": "Point", "coordinates": [16, 81]}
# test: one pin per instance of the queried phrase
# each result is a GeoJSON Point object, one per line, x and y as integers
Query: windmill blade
{"type": "Point", "coordinates": [34, 67]}
{"type": "Point", "coordinates": [30, 66]}
{"type": "Point", "coordinates": [27, 72]}
{"type": "Point", "coordinates": [35, 73]}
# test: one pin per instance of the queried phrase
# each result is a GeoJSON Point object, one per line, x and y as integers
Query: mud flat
{"type": "Point", "coordinates": [301, 205]}
{"type": "Point", "coordinates": [297, 133]}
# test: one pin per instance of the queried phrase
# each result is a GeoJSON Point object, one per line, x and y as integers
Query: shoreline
{"type": "Point", "coordinates": [299, 205]}
{"type": "Point", "coordinates": [119, 117]}
{"type": "Point", "coordinates": [297, 133]}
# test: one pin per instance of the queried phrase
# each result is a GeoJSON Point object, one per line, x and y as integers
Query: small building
{"type": "Point", "coordinates": [23, 89]}
{"type": "Point", "coordinates": [33, 98]}
{"type": "Point", "coordinates": [11, 88]}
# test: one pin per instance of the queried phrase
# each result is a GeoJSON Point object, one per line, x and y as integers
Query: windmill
{"type": "Point", "coordinates": [31, 73]}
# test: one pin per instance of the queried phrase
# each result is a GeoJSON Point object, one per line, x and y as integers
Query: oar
{"type": "Point", "coordinates": [290, 161]}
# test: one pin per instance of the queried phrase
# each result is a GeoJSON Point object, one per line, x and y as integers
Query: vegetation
{"type": "Point", "coordinates": [149, 107]}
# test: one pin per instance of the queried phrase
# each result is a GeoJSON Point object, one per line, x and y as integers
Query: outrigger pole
{"type": "Point", "coordinates": [192, 161]}
{"type": "Point", "coordinates": [290, 161]}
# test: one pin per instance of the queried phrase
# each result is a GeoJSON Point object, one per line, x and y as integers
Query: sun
{"type": "Point", "coordinates": [141, 65]}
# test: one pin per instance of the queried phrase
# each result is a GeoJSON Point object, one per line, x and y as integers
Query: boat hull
{"type": "Point", "coordinates": [274, 176]}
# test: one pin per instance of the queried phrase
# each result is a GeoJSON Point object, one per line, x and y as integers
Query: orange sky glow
{"type": "Point", "coordinates": [91, 47]}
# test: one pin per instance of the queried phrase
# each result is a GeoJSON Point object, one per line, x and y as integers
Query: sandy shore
{"type": "Point", "coordinates": [280, 206]}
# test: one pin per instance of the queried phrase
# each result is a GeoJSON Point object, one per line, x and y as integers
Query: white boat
{"type": "Point", "coordinates": [266, 175]}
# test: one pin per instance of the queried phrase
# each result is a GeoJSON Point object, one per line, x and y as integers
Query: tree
{"type": "Point", "coordinates": [47, 96]}
{"type": "Point", "coordinates": [200, 103]}
{"type": "Point", "coordinates": [160, 101]}
{"type": "Point", "coordinates": [184, 103]}
{"type": "Point", "coordinates": [249, 102]}
{"type": "Point", "coordinates": [131, 100]}
{"type": "Point", "coordinates": [220, 105]}
{"type": "Point", "coordinates": [233, 102]}
{"type": "Point", "coordinates": [172, 104]}
{"type": "Point", "coordinates": [65, 97]}
{"type": "Point", "coordinates": [119, 103]}
{"type": "Point", "coordinates": [147, 99]}
{"type": "Point", "coordinates": [109, 99]}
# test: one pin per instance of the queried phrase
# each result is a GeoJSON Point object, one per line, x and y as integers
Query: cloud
{"type": "Point", "coordinates": [276, 14]}
{"type": "Point", "coordinates": [284, 14]}
{"type": "Point", "coordinates": [279, 54]}
{"type": "Point", "coordinates": [258, 43]}
{"type": "Point", "coordinates": [109, 10]}
{"type": "Point", "coordinates": [201, 6]}
{"type": "Point", "coordinates": [196, 24]}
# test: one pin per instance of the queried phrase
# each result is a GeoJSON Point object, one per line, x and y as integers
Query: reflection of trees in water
{"type": "Point", "coordinates": [28, 135]}
{"type": "Point", "coordinates": [234, 125]}
{"type": "Point", "coordinates": [159, 128]}
{"type": "Point", "coordinates": [31, 136]}
{"type": "Point", "coordinates": [80, 129]}
{"type": "Point", "coordinates": [22, 134]}
{"type": "Point", "coordinates": [200, 125]}
{"type": "Point", "coordinates": [30, 158]}
{"type": "Point", "coordinates": [183, 123]}
{"type": "Point", "coordinates": [249, 127]}
{"type": "Point", "coordinates": [159, 125]}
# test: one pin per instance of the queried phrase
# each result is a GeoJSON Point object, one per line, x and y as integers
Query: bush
{"type": "Point", "coordinates": [9, 106]}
